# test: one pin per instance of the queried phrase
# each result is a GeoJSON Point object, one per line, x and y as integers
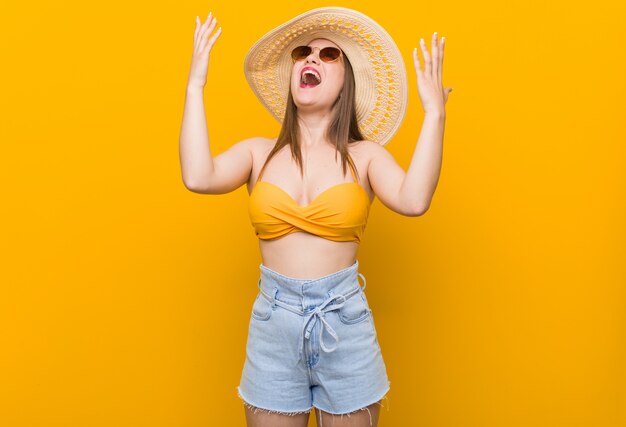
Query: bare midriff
{"type": "Point", "coordinates": [303, 255]}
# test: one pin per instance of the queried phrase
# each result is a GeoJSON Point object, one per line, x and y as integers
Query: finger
{"type": "Point", "coordinates": [210, 28]}
{"type": "Point", "coordinates": [441, 46]}
{"type": "Point", "coordinates": [207, 36]}
{"type": "Point", "coordinates": [204, 26]}
{"type": "Point", "coordinates": [435, 52]}
{"type": "Point", "coordinates": [427, 61]}
{"type": "Point", "coordinates": [418, 68]}
{"type": "Point", "coordinates": [204, 35]}
{"type": "Point", "coordinates": [199, 31]}
{"type": "Point", "coordinates": [213, 38]}
{"type": "Point", "coordinates": [195, 33]}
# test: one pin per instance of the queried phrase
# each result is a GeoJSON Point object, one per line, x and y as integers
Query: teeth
{"type": "Point", "coordinates": [314, 73]}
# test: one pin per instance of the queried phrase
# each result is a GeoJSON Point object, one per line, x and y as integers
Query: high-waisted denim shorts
{"type": "Point", "coordinates": [312, 342]}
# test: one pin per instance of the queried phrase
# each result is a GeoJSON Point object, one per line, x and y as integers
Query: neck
{"type": "Point", "coordinates": [313, 127]}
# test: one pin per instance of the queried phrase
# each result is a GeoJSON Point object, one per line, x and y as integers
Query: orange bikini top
{"type": "Point", "coordinates": [338, 213]}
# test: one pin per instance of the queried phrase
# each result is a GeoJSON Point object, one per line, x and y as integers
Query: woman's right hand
{"type": "Point", "coordinates": [202, 44]}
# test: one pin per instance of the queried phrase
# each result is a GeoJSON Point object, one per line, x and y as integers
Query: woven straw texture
{"type": "Point", "coordinates": [379, 71]}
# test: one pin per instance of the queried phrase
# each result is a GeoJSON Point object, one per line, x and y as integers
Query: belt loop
{"type": "Point", "coordinates": [364, 281]}
{"type": "Point", "coordinates": [275, 291]}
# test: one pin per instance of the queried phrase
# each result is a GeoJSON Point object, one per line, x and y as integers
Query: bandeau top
{"type": "Point", "coordinates": [338, 213]}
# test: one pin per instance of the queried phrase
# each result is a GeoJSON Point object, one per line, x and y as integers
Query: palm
{"type": "Point", "coordinates": [203, 41]}
{"type": "Point", "coordinates": [429, 81]}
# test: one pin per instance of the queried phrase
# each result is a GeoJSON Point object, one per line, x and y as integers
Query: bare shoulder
{"type": "Point", "coordinates": [366, 147]}
{"type": "Point", "coordinates": [367, 151]}
{"type": "Point", "coordinates": [260, 146]}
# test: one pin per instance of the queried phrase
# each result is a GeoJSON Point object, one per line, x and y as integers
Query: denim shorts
{"type": "Point", "coordinates": [312, 342]}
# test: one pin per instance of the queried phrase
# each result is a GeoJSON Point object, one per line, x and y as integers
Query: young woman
{"type": "Point", "coordinates": [336, 81]}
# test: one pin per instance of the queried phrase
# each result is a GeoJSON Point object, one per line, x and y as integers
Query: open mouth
{"type": "Point", "coordinates": [309, 78]}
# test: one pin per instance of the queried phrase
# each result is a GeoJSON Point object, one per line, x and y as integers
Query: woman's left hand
{"type": "Point", "coordinates": [431, 91]}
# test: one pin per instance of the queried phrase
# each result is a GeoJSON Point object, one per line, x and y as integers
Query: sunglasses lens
{"type": "Point", "coordinates": [329, 54]}
{"type": "Point", "coordinates": [300, 53]}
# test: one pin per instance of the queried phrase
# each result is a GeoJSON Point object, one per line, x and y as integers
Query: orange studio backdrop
{"type": "Point", "coordinates": [125, 298]}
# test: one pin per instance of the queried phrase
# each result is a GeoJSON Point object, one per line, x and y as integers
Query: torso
{"type": "Point", "coordinates": [304, 255]}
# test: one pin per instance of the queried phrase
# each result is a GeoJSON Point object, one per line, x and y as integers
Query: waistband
{"type": "Point", "coordinates": [297, 291]}
{"type": "Point", "coordinates": [311, 298]}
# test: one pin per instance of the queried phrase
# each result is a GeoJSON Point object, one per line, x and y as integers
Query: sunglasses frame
{"type": "Point", "coordinates": [302, 58]}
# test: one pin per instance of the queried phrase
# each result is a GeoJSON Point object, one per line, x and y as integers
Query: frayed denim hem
{"type": "Point", "coordinates": [269, 411]}
{"type": "Point", "coordinates": [365, 408]}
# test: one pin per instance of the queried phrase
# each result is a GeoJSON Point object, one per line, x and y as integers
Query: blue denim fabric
{"type": "Point", "coordinates": [312, 342]}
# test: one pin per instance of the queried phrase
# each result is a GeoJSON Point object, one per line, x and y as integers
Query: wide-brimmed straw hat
{"type": "Point", "coordinates": [379, 71]}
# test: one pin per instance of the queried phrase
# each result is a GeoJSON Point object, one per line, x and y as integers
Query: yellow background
{"type": "Point", "coordinates": [125, 298]}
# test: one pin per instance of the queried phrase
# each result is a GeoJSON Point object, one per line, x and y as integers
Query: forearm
{"type": "Point", "coordinates": [423, 174]}
{"type": "Point", "coordinates": [195, 153]}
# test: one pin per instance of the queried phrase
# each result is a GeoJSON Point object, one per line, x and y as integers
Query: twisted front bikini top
{"type": "Point", "coordinates": [338, 213]}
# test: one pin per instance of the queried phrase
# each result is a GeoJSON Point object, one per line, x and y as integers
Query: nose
{"type": "Point", "coordinates": [313, 56]}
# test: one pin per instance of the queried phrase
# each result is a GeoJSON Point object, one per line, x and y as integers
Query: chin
{"type": "Point", "coordinates": [303, 100]}
{"type": "Point", "coordinates": [312, 106]}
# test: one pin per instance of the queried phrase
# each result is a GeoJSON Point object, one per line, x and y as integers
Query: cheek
{"type": "Point", "coordinates": [295, 83]}
{"type": "Point", "coordinates": [340, 78]}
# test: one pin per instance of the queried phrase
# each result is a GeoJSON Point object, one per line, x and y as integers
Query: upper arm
{"type": "Point", "coordinates": [231, 169]}
{"type": "Point", "coordinates": [386, 177]}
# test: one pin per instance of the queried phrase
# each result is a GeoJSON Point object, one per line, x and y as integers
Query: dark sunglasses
{"type": "Point", "coordinates": [327, 54]}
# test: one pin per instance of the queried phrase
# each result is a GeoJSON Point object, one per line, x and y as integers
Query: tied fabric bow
{"type": "Point", "coordinates": [319, 313]}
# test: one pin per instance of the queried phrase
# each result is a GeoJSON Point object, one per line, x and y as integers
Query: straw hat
{"type": "Point", "coordinates": [379, 71]}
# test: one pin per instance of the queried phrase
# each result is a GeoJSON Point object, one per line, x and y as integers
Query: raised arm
{"type": "Point", "coordinates": [410, 193]}
{"type": "Point", "coordinates": [201, 172]}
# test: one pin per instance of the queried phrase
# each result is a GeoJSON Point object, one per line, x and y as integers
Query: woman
{"type": "Point", "coordinates": [337, 82]}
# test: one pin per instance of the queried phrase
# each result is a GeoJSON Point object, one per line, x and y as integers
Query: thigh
{"type": "Point", "coordinates": [364, 417]}
{"type": "Point", "coordinates": [261, 418]}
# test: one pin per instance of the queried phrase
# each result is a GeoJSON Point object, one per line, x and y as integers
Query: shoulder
{"type": "Point", "coordinates": [257, 141]}
{"type": "Point", "coordinates": [367, 147]}
{"type": "Point", "coordinates": [260, 148]}
{"type": "Point", "coordinates": [368, 150]}
{"type": "Point", "coordinates": [259, 145]}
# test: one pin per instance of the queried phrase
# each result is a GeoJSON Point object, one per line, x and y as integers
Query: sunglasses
{"type": "Point", "coordinates": [327, 54]}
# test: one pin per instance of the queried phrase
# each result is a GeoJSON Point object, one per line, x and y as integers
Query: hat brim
{"type": "Point", "coordinates": [381, 92]}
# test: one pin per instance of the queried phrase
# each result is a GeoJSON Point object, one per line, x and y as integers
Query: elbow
{"type": "Point", "coordinates": [188, 180]}
{"type": "Point", "coordinates": [198, 182]}
{"type": "Point", "coordinates": [193, 186]}
{"type": "Point", "coordinates": [189, 185]}
{"type": "Point", "coordinates": [190, 188]}
{"type": "Point", "coordinates": [418, 210]}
